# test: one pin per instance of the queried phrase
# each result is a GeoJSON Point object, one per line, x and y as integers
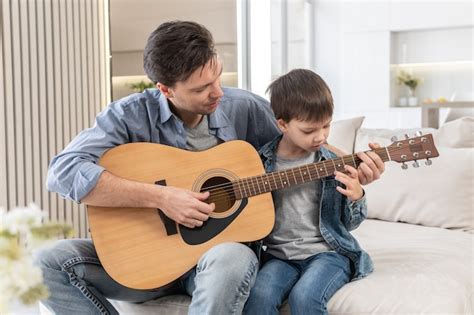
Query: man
{"type": "Point", "coordinates": [189, 110]}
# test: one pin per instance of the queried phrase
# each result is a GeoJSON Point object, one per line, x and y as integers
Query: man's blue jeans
{"type": "Point", "coordinates": [307, 284]}
{"type": "Point", "coordinates": [219, 284]}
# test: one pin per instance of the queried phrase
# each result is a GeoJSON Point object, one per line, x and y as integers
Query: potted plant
{"type": "Point", "coordinates": [411, 82]}
{"type": "Point", "coordinates": [141, 86]}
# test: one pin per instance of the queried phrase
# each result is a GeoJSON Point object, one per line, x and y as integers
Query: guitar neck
{"type": "Point", "coordinates": [256, 185]}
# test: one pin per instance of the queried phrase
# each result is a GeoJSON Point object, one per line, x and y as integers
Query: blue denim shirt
{"type": "Point", "coordinates": [146, 117]}
{"type": "Point", "coordinates": [338, 215]}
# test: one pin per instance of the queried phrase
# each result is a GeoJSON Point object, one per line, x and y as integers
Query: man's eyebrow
{"type": "Point", "coordinates": [203, 86]}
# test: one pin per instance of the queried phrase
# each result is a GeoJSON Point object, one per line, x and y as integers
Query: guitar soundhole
{"type": "Point", "coordinates": [222, 193]}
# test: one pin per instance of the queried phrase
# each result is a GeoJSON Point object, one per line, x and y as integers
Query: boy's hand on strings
{"type": "Point", "coordinates": [353, 189]}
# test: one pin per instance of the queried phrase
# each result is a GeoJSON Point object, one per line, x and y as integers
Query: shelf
{"type": "Point", "coordinates": [466, 104]}
{"type": "Point", "coordinates": [460, 63]}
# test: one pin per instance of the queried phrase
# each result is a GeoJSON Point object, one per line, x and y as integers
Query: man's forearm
{"type": "Point", "coordinates": [113, 191]}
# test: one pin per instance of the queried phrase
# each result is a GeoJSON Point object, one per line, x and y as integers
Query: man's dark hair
{"type": "Point", "coordinates": [301, 94]}
{"type": "Point", "coordinates": [175, 50]}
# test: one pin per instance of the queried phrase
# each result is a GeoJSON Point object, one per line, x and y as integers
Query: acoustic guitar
{"type": "Point", "coordinates": [141, 248]}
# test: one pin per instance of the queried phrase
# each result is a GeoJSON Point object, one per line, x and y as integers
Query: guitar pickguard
{"type": "Point", "coordinates": [210, 228]}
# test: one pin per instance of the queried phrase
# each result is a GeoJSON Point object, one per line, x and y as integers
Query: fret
{"type": "Point", "coordinates": [316, 168]}
{"type": "Point", "coordinates": [324, 164]}
{"type": "Point", "coordinates": [274, 180]}
{"type": "Point", "coordinates": [353, 160]}
{"type": "Point", "coordinates": [266, 183]}
{"type": "Point", "coordinates": [241, 183]}
{"type": "Point", "coordinates": [334, 164]}
{"type": "Point", "coordinates": [309, 172]}
{"type": "Point", "coordinates": [293, 171]}
{"type": "Point", "coordinates": [253, 186]}
{"type": "Point", "coordinates": [288, 180]}
{"type": "Point", "coordinates": [281, 180]}
{"type": "Point", "coordinates": [301, 174]}
{"type": "Point", "coordinates": [339, 167]}
{"type": "Point", "coordinates": [258, 184]}
{"type": "Point", "coordinates": [248, 187]}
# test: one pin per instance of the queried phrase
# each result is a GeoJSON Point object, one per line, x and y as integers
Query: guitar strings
{"type": "Point", "coordinates": [223, 191]}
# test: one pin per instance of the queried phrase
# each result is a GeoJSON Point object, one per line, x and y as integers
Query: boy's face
{"type": "Point", "coordinates": [306, 136]}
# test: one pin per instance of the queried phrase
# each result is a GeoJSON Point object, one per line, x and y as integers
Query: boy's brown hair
{"type": "Point", "coordinates": [301, 94]}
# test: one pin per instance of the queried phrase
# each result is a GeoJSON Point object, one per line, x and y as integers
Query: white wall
{"type": "Point", "coordinates": [353, 51]}
{"type": "Point", "coordinates": [132, 21]}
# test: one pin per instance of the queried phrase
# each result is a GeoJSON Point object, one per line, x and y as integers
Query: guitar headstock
{"type": "Point", "coordinates": [413, 149]}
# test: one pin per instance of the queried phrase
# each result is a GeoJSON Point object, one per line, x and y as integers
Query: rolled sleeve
{"type": "Point", "coordinates": [356, 212]}
{"type": "Point", "coordinates": [75, 171]}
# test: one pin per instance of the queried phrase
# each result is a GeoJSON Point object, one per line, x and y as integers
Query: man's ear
{"type": "Point", "coordinates": [283, 125]}
{"type": "Point", "coordinates": [166, 90]}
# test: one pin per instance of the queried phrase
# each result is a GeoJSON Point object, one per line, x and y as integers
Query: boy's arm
{"type": "Point", "coordinates": [354, 213]}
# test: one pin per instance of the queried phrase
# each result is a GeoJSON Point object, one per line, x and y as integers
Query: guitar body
{"type": "Point", "coordinates": [134, 245]}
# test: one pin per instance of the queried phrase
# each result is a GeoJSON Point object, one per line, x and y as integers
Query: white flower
{"type": "Point", "coordinates": [20, 230]}
{"type": "Point", "coordinates": [21, 220]}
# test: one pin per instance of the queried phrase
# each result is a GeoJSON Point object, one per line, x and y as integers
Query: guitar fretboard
{"type": "Point", "coordinates": [256, 185]}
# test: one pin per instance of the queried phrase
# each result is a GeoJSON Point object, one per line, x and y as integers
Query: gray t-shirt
{"type": "Point", "coordinates": [296, 234]}
{"type": "Point", "coordinates": [198, 138]}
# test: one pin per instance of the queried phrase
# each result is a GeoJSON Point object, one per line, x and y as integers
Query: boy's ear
{"type": "Point", "coordinates": [283, 125]}
{"type": "Point", "coordinates": [166, 90]}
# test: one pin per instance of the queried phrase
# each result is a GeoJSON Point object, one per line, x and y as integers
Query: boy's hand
{"type": "Point", "coordinates": [353, 189]}
{"type": "Point", "coordinates": [371, 167]}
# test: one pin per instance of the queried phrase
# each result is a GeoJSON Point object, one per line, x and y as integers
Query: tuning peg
{"type": "Point", "coordinates": [416, 164]}
{"type": "Point", "coordinates": [404, 166]}
{"type": "Point", "coordinates": [394, 138]}
{"type": "Point", "coordinates": [419, 133]}
{"type": "Point", "coordinates": [428, 162]}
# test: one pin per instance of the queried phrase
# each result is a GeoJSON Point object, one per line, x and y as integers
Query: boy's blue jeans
{"type": "Point", "coordinates": [307, 284]}
{"type": "Point", "coordinates": [220, 283]}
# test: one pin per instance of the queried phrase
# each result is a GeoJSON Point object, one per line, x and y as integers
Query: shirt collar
{"type": "Point", "coordinates": [217, 119]}
{"type": "Point", "coordinates": [165, 111]}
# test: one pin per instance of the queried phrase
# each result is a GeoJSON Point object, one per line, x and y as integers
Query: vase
{"type": "Point", "coordinates": [412, 99]}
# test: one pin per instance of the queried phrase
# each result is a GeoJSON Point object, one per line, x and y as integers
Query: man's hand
{"type": "Point", "coordinates": [185, 207]}
{"type": "Point", "coordinates": [371, 167]}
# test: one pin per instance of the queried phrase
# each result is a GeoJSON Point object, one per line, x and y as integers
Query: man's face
{"type": "Point", "coordinates": [200, 93]}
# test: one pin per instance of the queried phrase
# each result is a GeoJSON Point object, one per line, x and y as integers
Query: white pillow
{"type": "Point", "coordinates": [343, 133]}
{"type": "Point", "coordinates": [458, 133]}
{"type": "Point", "coordinates": [440, 195]}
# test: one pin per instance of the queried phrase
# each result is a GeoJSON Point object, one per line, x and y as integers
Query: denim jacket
{"type": "Point", "coordinates": [338, 215]}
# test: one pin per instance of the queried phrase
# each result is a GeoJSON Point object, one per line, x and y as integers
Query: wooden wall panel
{"type": "Point", "coordinates": [54, 72]}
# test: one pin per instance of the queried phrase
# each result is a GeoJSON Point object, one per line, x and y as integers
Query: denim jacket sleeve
{"type": "Point", "coordinates": [354, 213]}
{"type": "Point", "coordinates": [74, 172]}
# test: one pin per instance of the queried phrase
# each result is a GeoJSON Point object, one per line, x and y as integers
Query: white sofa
{"type": "Point", "coordinates": [419, 232]}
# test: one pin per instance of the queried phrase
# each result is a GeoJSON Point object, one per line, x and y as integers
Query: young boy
{"type": "Point", "coordinates": [310, 253]}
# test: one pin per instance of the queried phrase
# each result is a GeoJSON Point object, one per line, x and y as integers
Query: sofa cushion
{"type": "Point", "coordinates": [456, 134]}
{"type": "Point", "coordinates": [439, 195]}
{"type": "Point", "coordinates": [343, 133]}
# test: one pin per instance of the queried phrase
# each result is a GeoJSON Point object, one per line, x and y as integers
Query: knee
{"type": "Point", "coordinates": [49, 258]}
{"type": "Point", "coordinates": [235, 261]}
{"type": "Point", "coordinates": [54, 256]}
{"type": "Point", "coordinates": [231, 256]}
